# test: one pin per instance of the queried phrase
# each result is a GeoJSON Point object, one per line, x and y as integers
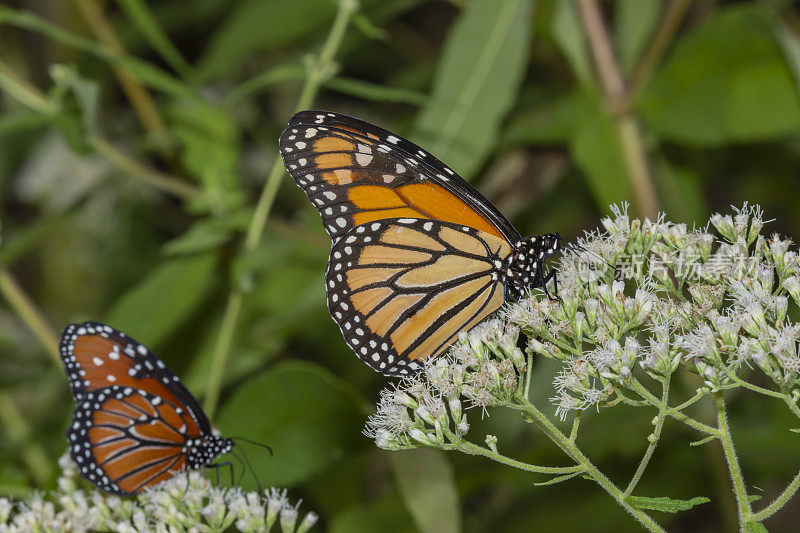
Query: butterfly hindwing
{"type": "Point", "coordinates": [402, 289]}
{"type": "Point", "coordinates": [123, 439]}
{"type": "Point", "coordinates": [355, 172]}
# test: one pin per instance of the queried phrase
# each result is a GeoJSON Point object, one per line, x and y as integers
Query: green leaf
{"type": "Point", "coordinates": [716, 89]}
{"type": "Point", "coordinates": [210, 149]}
{"type": "Point", "coordinates": [77, 98]}
{"type": "Point", "coordinates": [551, 122]}
{"type": "Point", "coordinates": [138, 12]}
{"type": "Point", "coordinates": [753, 497]}
{"type": "Point", "coordinates": [375, 92]}
{"type": "Point", "coordinates": [384, 515]}
{"type": "Point", "coordinates": [146, 73]}
{"type": "Point", "coordinates": [477, 81]}
{"type": "Point", "coordinates": [307, 415]}
{"type": "Point", "coordinates": [208, 234]}
{"type": "Point", "coordinates": [427, 486]}
{"type": "Point", "coordinates": [634, 24]}
{"type": "Point", "coordinates": [260, 25]}
{"type": "Point", "coordinates": [557, 480]}
{"type": "Point", "coordinates": [164, 298]}
{"type": "Point", "coordinates": [664, 504]}
{"type": "Point", "coordinates": [596, 150]}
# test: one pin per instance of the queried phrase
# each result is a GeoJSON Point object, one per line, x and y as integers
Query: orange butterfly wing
{"type": "Point", "coordinates": [401, 290]}
{"type": "Point", "coordinates": [134, 424]}
{"type": "Point", "coordinates": [355, 172]}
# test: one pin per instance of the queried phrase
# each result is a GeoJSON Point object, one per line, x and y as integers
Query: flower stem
{"type": "Point", "coordinates": [569, 447]}
{"type": "Point", "coordinates": [27, 311]}
{"type": "Point", "coordinates": [473, 449]}
{"type": "Point", "coordinates": [673, 411]}
{"type": "Point", "coordinates": [616, 95]}
{"type": "Point", "coordinates": [159, 180]}
{"type": "Point", "coordinates": [739, 490]}
{"type": "Point", "coordinates": [780, 501]}
{"type": "Point", "coordinates": [319, 70]}
{"type": "Point", "coordinates": [653, 438]}
{"type": "Point", "coordinates": [140, 99]}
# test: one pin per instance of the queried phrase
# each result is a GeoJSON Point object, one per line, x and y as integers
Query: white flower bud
{"type": "Point", "coordinates": [724, 225]}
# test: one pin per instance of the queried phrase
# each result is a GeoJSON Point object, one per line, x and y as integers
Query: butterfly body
{"type": "Point", "coordinates": [134, 423]}
{"type": "Point", "coordinates": [418, 255]}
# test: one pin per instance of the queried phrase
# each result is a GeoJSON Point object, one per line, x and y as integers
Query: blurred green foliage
{"type": "Point", "coordinates": [129, 173]}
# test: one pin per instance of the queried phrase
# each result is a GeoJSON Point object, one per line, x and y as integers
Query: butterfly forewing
{"type": "Point", "coordinates": [96, 356]}
{"type": "Point", "coordinates": [402, 289]}
{"type": "Point", "coordinates": [355, 173]}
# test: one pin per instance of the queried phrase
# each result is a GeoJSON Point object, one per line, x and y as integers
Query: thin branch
{"type": "Point", "coordinates": [157, 179]}
{"type": "Point", "coordinates": [651, 58]}
{"type": "Point", "coordinates": [630, 137]}
{"type": "Point", "coordinates": [321, 68]}
{"type": "Point", "coordinates": [30, 315]}
{"type": "Point", "coordinates": [653, 438]}
{"type": "Point", "coordinates": [780, 501]}
{"type": "Point", "coordinates": [739, 489]}
{"type": "Point", "coordinates": [474, 449]}
{"type": "Point", "coordinates": [140, 99]}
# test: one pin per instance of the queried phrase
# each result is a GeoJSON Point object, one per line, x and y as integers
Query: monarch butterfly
{"type": "Point", "coordinates": [418, 254]}
{"type": "Point", "coordinates": [134, 423]}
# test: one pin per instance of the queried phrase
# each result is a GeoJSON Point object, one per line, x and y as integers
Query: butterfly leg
{"type": "Point", "coordinates": [217, 466]}
{"type": "Point", "coordinates": [544, 280]}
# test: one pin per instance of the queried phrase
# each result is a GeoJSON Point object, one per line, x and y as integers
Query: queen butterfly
{"type": "Point", "coordinates": [134, 423]}
{"type": "Point", "coordinates": [418, 254]}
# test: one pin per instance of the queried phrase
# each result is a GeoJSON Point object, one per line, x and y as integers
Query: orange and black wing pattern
{"type": "Point", "coordinates": [402, 289]}
{"type": "Point", "coordinates": [134, 423]}
{"type": "Point", "coordinates": [125, 440]}
{"type": "Point", "coordinates": [97, 356]}
{"type": "Point", "coordinates": [355, 173]}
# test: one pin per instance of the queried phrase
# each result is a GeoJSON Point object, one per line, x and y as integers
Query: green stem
{"type": "Point", "coordinates": [780, 501]}
{"type": "Point", "coordinates": [739, 490]}
{"type": "Point", "coordinates": [319, 70]}
{"type": "Point", "coordinates": [691, 400]}
{"type": "Point", "coordinates": [792, 405]}
{"type": "Point", "coordinates": [14, 422]}
{"type": "Point", "coordinates": [653, 438]}
{"type": "Point", "coordinates": [754, 388]}
{"type": "Point", "coordinates": [26, 93]}
{"type": "Point", "coordinates": [528, 373]}
{"type": "Point", "coordinates": [673, 412]}
{"type": "Point", "coordinates": [474, 449]}
{"type": "Point", "coordinates": [157, 179]}
{"type": "Point", "coordinates": [569, 447]}
{"type": "Point", "coordinates": [576, 423]}
{"type": "Point", "coordinates": [27, 311]}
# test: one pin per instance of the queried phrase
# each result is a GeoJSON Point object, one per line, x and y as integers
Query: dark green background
{"type": "Point", "coordinates": [505, 91]}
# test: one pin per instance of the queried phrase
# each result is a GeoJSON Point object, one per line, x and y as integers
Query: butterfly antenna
{"type": "Point", "coordinates": [252, 471]}
{"type": "Point", "coordinates": [271, 453]}
{"type": "Point", "coordinates": [241, 463]}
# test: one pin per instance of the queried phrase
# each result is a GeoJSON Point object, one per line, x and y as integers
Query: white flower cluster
{"type": "Point", "coordinates": [187, 502]}
{"type": "Point", "coordinates": [642, 295]}
{"type": "Point", "coordinates": [483, 369]}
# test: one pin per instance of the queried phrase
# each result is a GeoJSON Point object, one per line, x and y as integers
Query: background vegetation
{"type": "Point", "coordinates": [141, 186]}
